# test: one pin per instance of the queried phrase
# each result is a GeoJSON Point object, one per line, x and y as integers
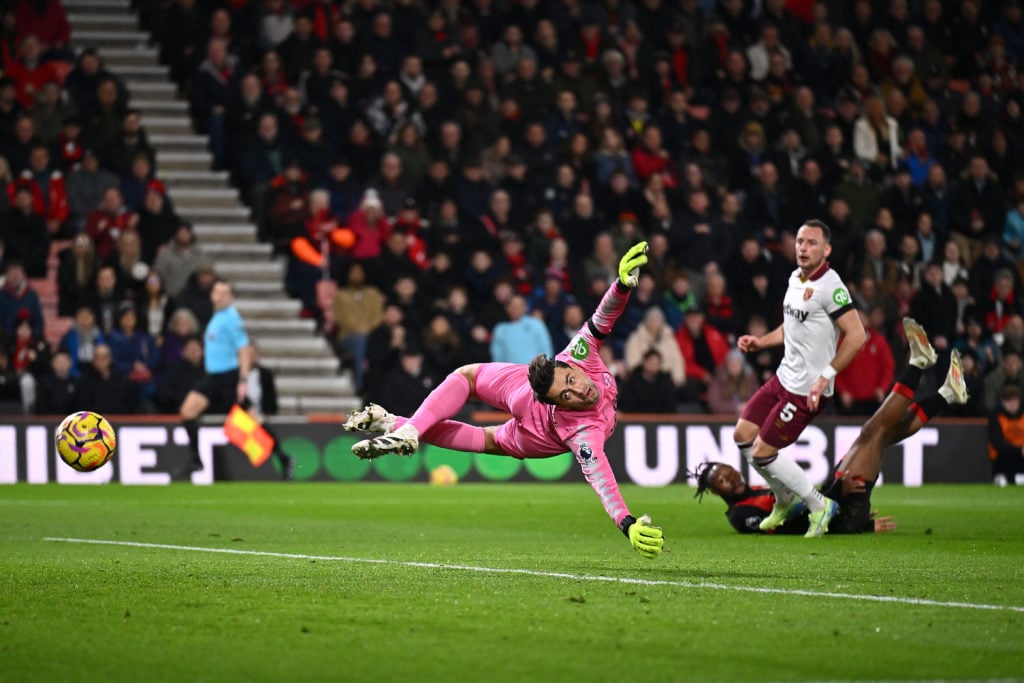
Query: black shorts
{"type": "Point", "coordinates": [221, 390]}
{"type": "Point", "coordinates": [854, 510]}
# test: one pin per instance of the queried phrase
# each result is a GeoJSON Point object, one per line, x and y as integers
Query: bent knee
{"type": "Point", "coordinates": [469, 372]}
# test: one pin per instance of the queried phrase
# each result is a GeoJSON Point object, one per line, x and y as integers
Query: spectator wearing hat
{"type": "Point", "coordinates": [370, 226]}
{"type": "Point", "coordinates": [23, 232]}
{"type": "Point", "coordinates": [18, 295]}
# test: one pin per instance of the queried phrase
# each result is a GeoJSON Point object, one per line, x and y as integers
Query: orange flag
{"type": "Point", "coordinates": [248, 435]}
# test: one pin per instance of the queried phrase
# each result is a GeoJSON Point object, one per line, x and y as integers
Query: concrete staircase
{"type": "Point", "coordinates": [308, 377]}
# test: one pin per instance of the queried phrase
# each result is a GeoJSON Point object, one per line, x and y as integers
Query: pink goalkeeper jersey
{"type": "Point", "coordinates": [540, 430]}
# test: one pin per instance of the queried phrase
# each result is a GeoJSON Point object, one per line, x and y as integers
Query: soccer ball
{"type": "Point", "coordinates": [85, 440]}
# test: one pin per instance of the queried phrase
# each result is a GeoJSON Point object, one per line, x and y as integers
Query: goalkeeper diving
{"type": "Point", "coordinates": [557, 404]}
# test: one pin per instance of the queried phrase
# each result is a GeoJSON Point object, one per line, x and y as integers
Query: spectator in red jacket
{"type": "Point", "coordinates": [30, 73]}
{"type": "Point", "coordinates": [106, 223]}
{"type": "Point", "coordinates": [49, 193]}
{"type": "Point", "coordinates": [650, 157]}
{"type": "Point", "coordinates": [863, 385]}
{"type": "Point", "coordinates": [704, 348]}
{"type": "Point", "coordinates": [370, 226]}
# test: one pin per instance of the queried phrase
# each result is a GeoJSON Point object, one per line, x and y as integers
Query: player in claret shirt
{"type": "Point", "coordinates": [557, 404]}
{"type": "Point", "coordinates": [816, 307]}
{"type": "Point", "coordinates": [898, 417]}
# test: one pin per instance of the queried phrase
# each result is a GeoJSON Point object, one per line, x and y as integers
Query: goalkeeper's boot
{"type": "Point", "coordinates": [954, 389]}
{"type": "Point", "coordinates": [403, 441]}
{"type": "Point", "coordinates": [819, 520]}
{"type": "Point", "coordinates": [780, 513]}
{"type": "Point", "coordinates": [922, 355]}
{"type": "Point", "coordinates": [369, 418]}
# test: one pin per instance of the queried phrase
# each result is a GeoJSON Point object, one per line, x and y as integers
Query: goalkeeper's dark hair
{"type": "Point", "coordinates": [703, 476]}
{"type": "Point", "coordinates": [541, 373]}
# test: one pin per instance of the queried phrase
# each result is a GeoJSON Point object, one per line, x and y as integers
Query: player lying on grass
{"type": "Point", "coordinates": [557, 404]}
{"type": "Point", "coordinates": [898, 417]}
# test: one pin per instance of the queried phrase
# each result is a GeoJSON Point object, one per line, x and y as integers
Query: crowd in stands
{"type": "Point", "coordinates": [454, 181]}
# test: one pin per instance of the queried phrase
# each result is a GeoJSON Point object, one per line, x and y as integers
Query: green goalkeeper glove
{"type": "Point", "coordinates": [629, 266]}
{"type": "Point", "coordinates": [645, 539]}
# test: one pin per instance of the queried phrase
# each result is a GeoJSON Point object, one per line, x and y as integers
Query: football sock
{"type": "Point", "coordinates": [908, 379]}
{"type": "Point", "coordinates": [192, 429]}
{"type": "Point", "coordinates": [452, 434]}
{"type": "Point", "coordinates": [783, 495]}
{"type": "Point", "coordinates": [792, 476]}
{"type": "Point", "coordinates": [930, 407]}
{"type": "Point", "coordinates": [443, 402]}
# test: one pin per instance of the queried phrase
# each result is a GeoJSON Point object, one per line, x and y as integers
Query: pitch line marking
{"type": "Point", "coordinates": [550, 575]}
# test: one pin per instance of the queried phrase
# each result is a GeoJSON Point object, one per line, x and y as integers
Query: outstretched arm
{"type": "Point", "coordinates": [645, 539]}
{"type": "Point", "coordinates": [749, 343]}
{"type": "Point", "coordinates": [614, 300]}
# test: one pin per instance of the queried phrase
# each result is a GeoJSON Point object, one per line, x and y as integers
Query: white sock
{"type": "Point", "coordinates": [783, 496]}
{"type": "Point", "coordinates": [792, 477]}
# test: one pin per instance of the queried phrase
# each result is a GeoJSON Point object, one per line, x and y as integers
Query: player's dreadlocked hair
{"type": "Point", "coordinates": [703, 476]}
{"type": "Point", "coordinates": [542, 375]}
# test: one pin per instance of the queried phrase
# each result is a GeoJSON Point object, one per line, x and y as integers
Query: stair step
{"type": "Point", "coordinates": [236, 250]}
{"type": "Point", "coordinates": [254, 288]}
{"type": "Point", "coordinates": [269, 270]}
{"type": "Point", "coordinates": [77, 6]}
{"type": "Point", "coordinates": [229, 214]}
{"type": "Point", "coordinates": [221, 193]}
{"type": "Point", "coordinates": [111, 19]}
{"type": "Point", "coordinates": [300, 366]}
{"type": "Point", "coordinates": [201, 178]}
{"type": "Point", "coordinates": [161, 141]}
{"type": "Point", "coordinates": [104, 39]}
{"type": "Point", "coordinates": [267, 308]}
{"type": "Point", "coordinates": [180, 126]}
{"type": "Point", "coordinates": [163, 106]}
{"type": "Point", "coordinates": [261, 326]}
{"type": "Point", "coordinates": [151, 88]}
{"type": "Point", "coordinates": [275, 345]}
{"type": "Point", "coordinates": [303, 405]}
{"type": "Point", "coordinates": [336, 385]}
{"type": "Point", "coordinates": [116, 57]}
{"type": "Point", "coordinates": [214, 231]}
{"type": "Point", "coordinates": [143, 73]}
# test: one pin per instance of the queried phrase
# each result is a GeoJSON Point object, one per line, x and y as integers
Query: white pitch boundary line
{"type": "Point", "coordinates": [550, 575]}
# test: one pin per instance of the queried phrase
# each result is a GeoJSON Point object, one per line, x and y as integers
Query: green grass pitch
{"type": "Point", "coordinates": [490, 582]}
